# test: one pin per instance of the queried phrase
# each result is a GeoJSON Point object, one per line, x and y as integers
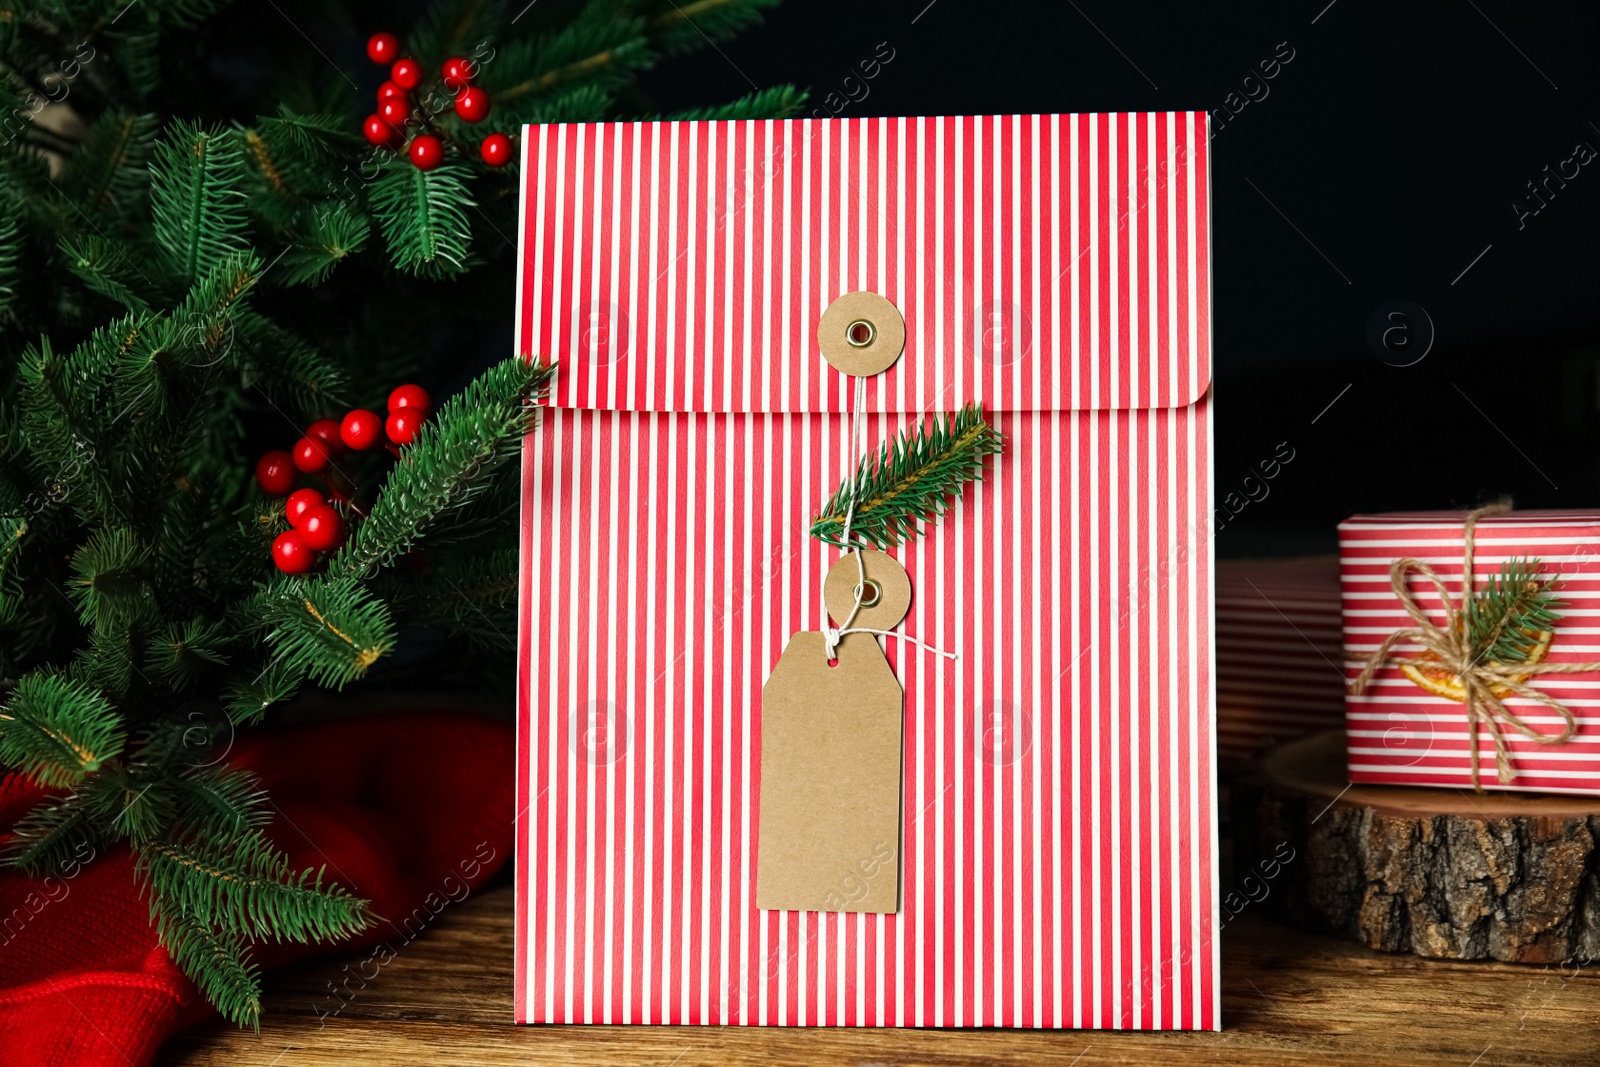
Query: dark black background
{"type": "Point", "coordinates": [1384, 158]}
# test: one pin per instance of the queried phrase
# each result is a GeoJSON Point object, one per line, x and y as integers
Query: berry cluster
{"type": "Point", "coordinates": [316, 526]}
{"type": "Point", "coordinates": [386, 127]}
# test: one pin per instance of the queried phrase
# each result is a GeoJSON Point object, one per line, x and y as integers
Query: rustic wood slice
{"type": "Point", "coordinates": [1436, 872]}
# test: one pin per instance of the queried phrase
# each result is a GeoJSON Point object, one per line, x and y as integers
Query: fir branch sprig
{"type": "Point", "coordinates": [448, 464]}
{"type": "Point", "coordinates": [51, 837]}
{"type": "Point", "coordinates": [331, 630]}
{"type": "Point", "coordinates": [244, 884]}
{"type": "Point", "coordinates": [424, 215]}
{"type": "Point", "coordinates": [1509, 615]}
{"type": "Point", "coordinates": [200, 213]}
{"type": "Point", "coordinates": [910, 479]}
{"type": "Point", "coordinates": [56, 730]}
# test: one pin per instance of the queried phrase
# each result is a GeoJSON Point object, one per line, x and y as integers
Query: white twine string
{"type": "Point", "coordinates": [832, 635]}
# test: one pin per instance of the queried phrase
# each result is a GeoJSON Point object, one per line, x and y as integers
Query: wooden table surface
{"type": "Point", "coordinates": [1288, 998]}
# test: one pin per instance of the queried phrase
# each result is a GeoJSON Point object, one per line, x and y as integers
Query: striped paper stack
{"type": "Point", "coordinates": [1400, 734]}
{"type": "Point", "coordinates": [1280, 659]}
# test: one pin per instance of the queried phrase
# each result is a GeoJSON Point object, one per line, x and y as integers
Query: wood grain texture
{"type": "Point", "coordinates": [1288, 998]}
{"type": "Point", "coordinates": [1438, 872]}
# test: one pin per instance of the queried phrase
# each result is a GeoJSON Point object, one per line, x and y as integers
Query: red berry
{"type": "Point", "coordinates": [300, 501]}
{"type": "Point", "coordinates": [394, 111]}
{"type": "Point", "coordinates": [406, 73]}
{"type": "Point", "coordinates": [311, 455]}
{"type": "Point", "coordinates": [403, 425]}
{"type": "Point", "coordinates": [360, 429]}
{"type": "Point", "coordinates": [291, 553]}
{"type": "Point", "coordinates": [378, 132]}
{"type": "Point", "coordinates": [496, 150]}
{"type": "Point", "coordinates": [409, 396]}
{"type": "Point", "coordinates": [327, 431]}
{"type": "Point", "coordinates": [388, 89]}
{"type": "Point", "coordinates": [458, 72]}
{"type": "Point", "coordinates": [426, 151]}
{"type": "Point", "coordinates": [321, 528]}
{"type": "Point", "coordinates": [382, 47]}
{"type": "Point", "coordinates": [472, 104]}
{"type": "Point", "coordinates": [275, 471]}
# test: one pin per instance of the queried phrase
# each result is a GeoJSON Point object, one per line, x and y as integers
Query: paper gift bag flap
{"type": "Point", "coordinates": [1041, 262]}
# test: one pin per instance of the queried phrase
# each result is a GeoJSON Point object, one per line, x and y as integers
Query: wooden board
{"type": "Point", "coordinates": [1438, 872]}
{"type": "Point", "coordinates": [1288, 998]}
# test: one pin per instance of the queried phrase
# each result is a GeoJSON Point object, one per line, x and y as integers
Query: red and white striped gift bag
{"type": "Point", "coordinates": [1280, 659]}
{"type": "Point", "coordinates": [1059, 834]}
{"type": "Point", "coordinates": [1401, 734]}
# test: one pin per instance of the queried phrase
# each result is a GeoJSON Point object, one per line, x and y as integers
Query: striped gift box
{"type": "Point", "coordinates": [1280, 653]}
{"type": "Point", "coordinates": [1057, 857]}
{"type": "Point", "coordinates": [1401, 734]}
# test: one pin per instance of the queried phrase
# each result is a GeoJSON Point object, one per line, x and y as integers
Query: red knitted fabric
{"type": "Point", "coordinates": [409, 811]}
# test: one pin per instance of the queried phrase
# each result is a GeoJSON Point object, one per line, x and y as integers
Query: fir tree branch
{"type": "Point", "coordinates": [125, 807]}
{"type": "Point", "coordinates": [109, 171]}
{"type": "Point", "coordinates": [1508, 617]}
{"type": "Point", "coordinates": [423, 214]}
{"type": "Point", "coordinates": [108, 582]}
{"type": "Point", "coordinates": [911, 478]}
{"type": "Point", "coordinates": [600, 47]}
{"type": "Point", "coordinates": [457, 27]}
{"type": "Point", "coordinates": [183, 651]}
{"type": "Point", "coordinates": [248, 698]}
{"type": "Point", "coordinates": [778, 102]}
{"type": "Point", "coordinates": [110, 269]}
{"type": "Point", "coordinates": [56, 731]}
{"type": "Point", "coordinates": [52, 838]}
{"type": "Point", "coordinates": [687, 27]}
{"type": "Point", "coordinates": [59, 398]}
{"type": "Point", "coordinates": [218, 961]}
{"type": "Point", "coordinates": [242, 883]}
{"type": "Point", "coordinates": [335, 234]}
{"type": "Point", "coordinates": [221, 801]}
{"type": "Point", "coordinates": [448, 464]}
{"type": "Point", "coordinates": [333, 630]}
{"type": "Point", "coordinates": [200, 215]}
{"type": "Point", "coordinates": [10, 259]}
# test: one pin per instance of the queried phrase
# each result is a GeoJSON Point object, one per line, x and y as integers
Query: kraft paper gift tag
{"type": "Point", "coordinates": [830, 756]}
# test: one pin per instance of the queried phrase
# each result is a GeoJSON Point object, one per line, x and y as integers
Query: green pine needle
{"type": "Point", "coordinates": [1508, 616]}
{"type": "Point", "coordinates": [195, 187]}
{"type": "Point", "coordinates": [449, 463]}
{"type": "Point", "coordinates": [111, 269]}
{"type": "Point", "coordinates": [780, 101]}
{"type": "Point", "coordinates": [424, 216]}
{"type": "Point", "coordinates": [221, 801]}
{"type": "Point", "coordinates": [336, 234]}
{"type": "Point", "coordinates": [52, 838]}
{"type": "Point", "coordinates": [109, 171]}
{"type": "Point", "coordinates": [10, 258]}
{"type": "Point", "coordinates": [126, 806]}
{"type": "Point", "coordinates": [56, 730]}
{"type": "Point", "coordinates": [182, 652]}
{"type": "Point", "coordinates": [108, 577]}
{"type": "Point", "coordinates": [687, 27]}
{"type": "Point", "coordinates": [220, 964]}
{"type": "Point", "coordinates": [333, 630]}
{"type": "Point", "coordinates": [243, 884]}
{"type": "Point", "coordinates": [912, 478]}
{"type": "Point", "coordinates": [601, 48]}
{"type": "Point", "coordinates": [248, 698]}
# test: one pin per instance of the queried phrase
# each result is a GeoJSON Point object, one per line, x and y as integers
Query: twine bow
{"type": "Point", "coordinates": [1484, 684]}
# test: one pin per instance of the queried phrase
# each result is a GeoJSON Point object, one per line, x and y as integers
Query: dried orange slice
{"type": "Point", "coordinates": [1442, 683]}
